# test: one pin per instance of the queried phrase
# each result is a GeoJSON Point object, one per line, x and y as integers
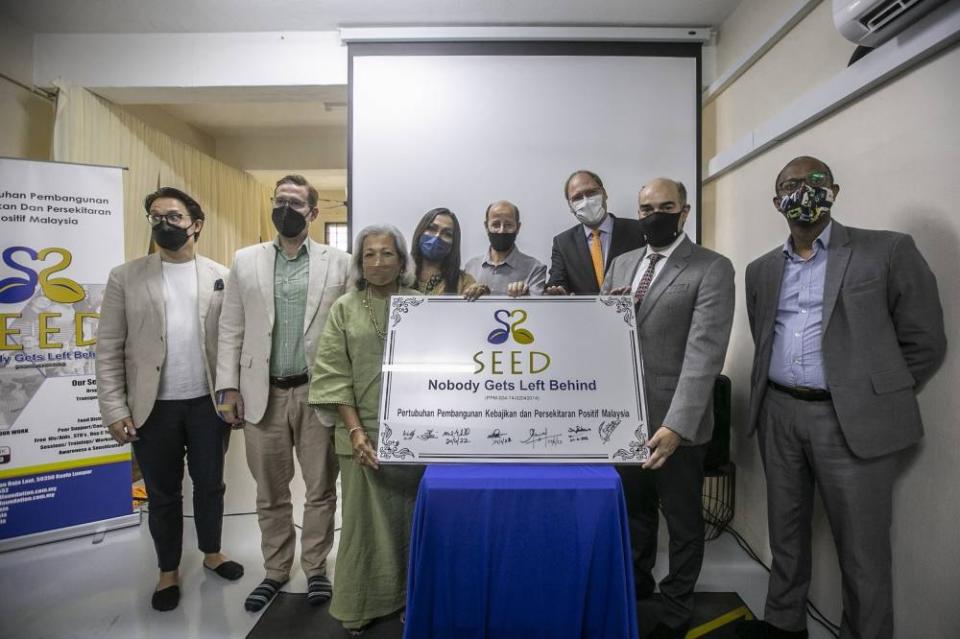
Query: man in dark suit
{"type": "Point", "coordinates": [847, 327]}
{"type": "Point", "coordinates": [582, 253]}
{"type": "Point", "coordinates": [685, 296]}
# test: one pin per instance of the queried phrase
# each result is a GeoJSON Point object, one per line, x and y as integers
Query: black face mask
{"type": "Point", "coordinates": [502, 241]}
{"type": "Point", "coordinates": [169, 237]}
{"type": "Point", "coordinates": [288, 222]}
{"type": "Point", "coordinates": [660, 228]}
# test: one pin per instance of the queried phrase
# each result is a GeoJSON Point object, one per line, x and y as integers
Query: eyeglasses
{"type": "Point", "coordinates": [814, 178]}
{"type": "Point", "coordinates": [293, 203]}
{"type": "Point", "coordinates": [171, 218]}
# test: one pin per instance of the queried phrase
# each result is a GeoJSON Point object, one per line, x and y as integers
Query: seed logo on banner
{"type": "Point", "coordinates": [62, 232]}
{"type": "Point", "coordinates": [538, 388]}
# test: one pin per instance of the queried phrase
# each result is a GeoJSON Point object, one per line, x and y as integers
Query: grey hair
{"type": "Point", "coordinates": [406, 262]}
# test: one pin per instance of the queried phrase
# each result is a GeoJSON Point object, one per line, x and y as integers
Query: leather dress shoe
{"type": "Point", "coordinates": [663, 631]}
{"type": "Point", "coordinates": [756, 629]}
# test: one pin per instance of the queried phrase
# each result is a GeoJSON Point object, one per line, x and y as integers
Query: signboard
{"type": "Point", "coordinates": [61, 231]}
{"type": "Point", "coordinates": [535, 379]}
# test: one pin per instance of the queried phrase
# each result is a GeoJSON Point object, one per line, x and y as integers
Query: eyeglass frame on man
{"type": "Point", "coordinates": [296, 204]}
{"type": "Point", "coordinates": [173, 217]}
{"type": "Point", "coordinates": [813, 178]}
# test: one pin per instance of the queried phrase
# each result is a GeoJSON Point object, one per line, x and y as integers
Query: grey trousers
{"type": "Point", "coordinates": [801, 445]}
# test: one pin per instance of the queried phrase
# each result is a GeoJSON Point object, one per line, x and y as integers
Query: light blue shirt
{"type": "Point", "coordinates": [797, 358]}
{"type": "Point", "coordinates": [606, 232]}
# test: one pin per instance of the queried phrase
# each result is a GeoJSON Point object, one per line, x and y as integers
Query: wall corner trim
{"type": "Point", "coordinates": [759, 49]}
{"type": "Point", "coordinates": [932, 34]}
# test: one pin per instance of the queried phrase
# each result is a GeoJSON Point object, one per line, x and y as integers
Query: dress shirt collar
{"type": "Point", "coordinates": [304, 246]}
{"type": "Point", "coordinates": [822, 242]}
{"type": "Point", "coordinates": [606, 227]}
{"type": "Point", "coordinates": [666, 251]}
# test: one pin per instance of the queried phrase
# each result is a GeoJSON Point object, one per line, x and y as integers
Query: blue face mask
{"type": "Point", "coordinates": [434, 249]}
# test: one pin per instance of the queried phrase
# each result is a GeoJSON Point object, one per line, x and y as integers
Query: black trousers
{"type": "Point", "coordinates": [176, 427]}
{"type": "Point", "coordinates": [677, 489]}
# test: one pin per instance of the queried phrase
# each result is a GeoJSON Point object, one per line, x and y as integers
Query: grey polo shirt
{"type": "Point", "coordinates": [517, 267]}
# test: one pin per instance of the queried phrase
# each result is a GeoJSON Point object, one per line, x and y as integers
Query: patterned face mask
{"type": "Point", "coordinates": [807, 204]}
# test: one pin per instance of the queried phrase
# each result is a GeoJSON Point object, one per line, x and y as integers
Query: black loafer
{"type": "Point", "coordinates": [756, 629]}
{"type": "Point", "coordinates": [166, 599]}
{"type": "Point", "coordinates": [229, 570]}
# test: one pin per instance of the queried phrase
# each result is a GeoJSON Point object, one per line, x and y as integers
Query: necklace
{"type": "Point", "coordinates": [365, 300]}
{"type": "Point", "coordinates": [435, 279]}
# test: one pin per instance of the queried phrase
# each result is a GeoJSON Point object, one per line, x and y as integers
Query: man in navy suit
{"type": "Point", "coordinates": [582, 253]}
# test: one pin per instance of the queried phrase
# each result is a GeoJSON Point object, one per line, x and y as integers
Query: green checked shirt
{"type": "Point", "coordinates": [291, 276]}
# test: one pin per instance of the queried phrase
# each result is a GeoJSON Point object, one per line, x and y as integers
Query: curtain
{"type": "Point", "coordinates": [91, 130]}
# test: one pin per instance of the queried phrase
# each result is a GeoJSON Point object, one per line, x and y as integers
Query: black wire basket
{"type": "Point", "coordinates": [719, 497]}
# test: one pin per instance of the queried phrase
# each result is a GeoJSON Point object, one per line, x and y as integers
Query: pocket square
{"type": "Point", "coordinates": [218, 285]}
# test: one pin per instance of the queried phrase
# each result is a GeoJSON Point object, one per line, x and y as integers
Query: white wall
{"type": "Point", "coordinates": [894, 152]}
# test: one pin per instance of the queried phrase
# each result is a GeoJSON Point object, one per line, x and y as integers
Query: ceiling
{"type": "Point", "coordinates": [226, 111]}
{"type": "Point", "coordinates": [308, 111]}
{"type": "Point", "coordinates": [202, 16]}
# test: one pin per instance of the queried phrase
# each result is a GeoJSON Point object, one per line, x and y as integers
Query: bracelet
{"type": "Point", "coordinates": [353, 430]}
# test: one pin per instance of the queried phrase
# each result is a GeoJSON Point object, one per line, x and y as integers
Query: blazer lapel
{"type": "Point", "coordinates": [838, 256]}
{"type": "Point", "coordinates": [155, 287]}
{"type": "Point", "coordinates": [618, 242]}
{"type": "Point", "coordinates": [674, 266]}
{"type": "Point", "coordinates": [583, 252]}
{"type": "Point", "coordinates": [769, 296]}
{"type": "Point", "coordinates": [205, 279]}
{"type": "Point", "coordinates": [316, 283]}
{"type": "Point", "coordinates": [265, 267]}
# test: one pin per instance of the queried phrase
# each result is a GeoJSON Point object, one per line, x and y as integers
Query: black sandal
{"type": "Point", "coordinates": [166, 599]}
{"type": "Point", "coordinates": [229, 570]}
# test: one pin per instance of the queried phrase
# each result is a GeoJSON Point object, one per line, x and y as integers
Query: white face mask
{"type": "Point", "coordinates": [590, 210]}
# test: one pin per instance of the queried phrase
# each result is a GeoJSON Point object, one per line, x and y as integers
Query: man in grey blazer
{"type": "Point", "coordinates": [156, 357]}
{"type": "Point", "coordinates": [685, 300]}
{"type": "Point", "coordinates": [276, 304]}
{"type": "Point", "coordinates": [847, 327]}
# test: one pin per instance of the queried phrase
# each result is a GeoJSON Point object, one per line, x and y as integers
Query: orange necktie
{"type": "Point", "coordinates": [596, 253]}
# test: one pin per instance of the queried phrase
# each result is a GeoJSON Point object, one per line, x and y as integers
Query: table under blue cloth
{"type": "Point", "coordinates": [520, 551]}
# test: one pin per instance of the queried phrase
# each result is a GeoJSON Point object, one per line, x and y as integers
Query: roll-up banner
{"type": "Point", "coordinates": [61, 474]}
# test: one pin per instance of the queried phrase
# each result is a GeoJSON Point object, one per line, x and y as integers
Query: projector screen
{"type": "Point", "coordinates": [464, 125]}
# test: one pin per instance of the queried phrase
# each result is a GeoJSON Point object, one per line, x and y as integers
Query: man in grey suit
{"type": "Point", "coordinates": [685, 298]}
{"type": "Point", "coordinates": [847, 326]}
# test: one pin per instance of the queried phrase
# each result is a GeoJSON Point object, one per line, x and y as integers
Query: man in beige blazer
{"type": "Point", "coordinates": [276, 304]}
{"type": "Point", "coordinates": [156, 353]}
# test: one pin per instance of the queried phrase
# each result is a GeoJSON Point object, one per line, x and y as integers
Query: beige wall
{"type": "Point", "coordinates": [157, 118]}
{"type": "Point", "coordinates": [27, 128]}
{"type": "Point", "coordinates": [894, 152]}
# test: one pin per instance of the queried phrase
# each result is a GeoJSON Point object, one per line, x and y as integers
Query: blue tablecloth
{"type": "Point", "coordinates": [510, 551]}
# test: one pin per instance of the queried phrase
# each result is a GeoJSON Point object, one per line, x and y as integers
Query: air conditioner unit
{"type": "Point", "coordinates": [871, 22]}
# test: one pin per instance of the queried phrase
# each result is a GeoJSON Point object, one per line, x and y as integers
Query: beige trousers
{"type": "Point", "coordinates": [289, 424]}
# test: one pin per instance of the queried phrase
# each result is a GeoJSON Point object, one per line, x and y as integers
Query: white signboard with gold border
{"type": "Point", "coordinates": [535, 379]}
